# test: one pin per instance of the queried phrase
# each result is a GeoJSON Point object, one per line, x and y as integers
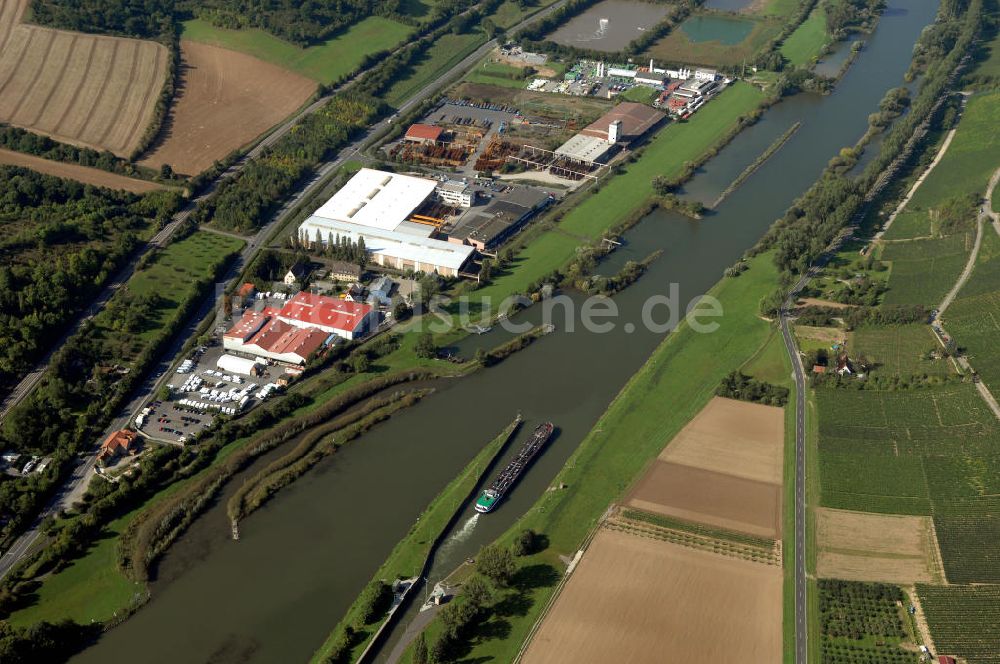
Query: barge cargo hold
{"type": "Point", "coordinates": [508, 477]}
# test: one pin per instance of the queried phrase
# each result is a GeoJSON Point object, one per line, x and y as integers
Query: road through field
{"type": "Point", "coordinates": [77, 483]}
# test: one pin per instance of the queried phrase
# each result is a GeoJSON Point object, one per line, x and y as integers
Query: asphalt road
{"type": "Point", "coordinates": [801, 616]}
{"type": "Point", "coordinates": [76, 484]}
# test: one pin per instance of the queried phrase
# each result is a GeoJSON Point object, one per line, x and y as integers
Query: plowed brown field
{"type": "Point", "coordinates": [638, 600]}
{"type": "Point", "coordinates": [723, 469]}
{"type": "Point", "coordinates": [225, 99]}
{"type": "Point", "coordinates": [88, 90]}
{"type": "Point", "coordinates": [84, 174]}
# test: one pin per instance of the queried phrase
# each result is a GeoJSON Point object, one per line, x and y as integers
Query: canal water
{"type": "Point", "coordinates": [274, 595]}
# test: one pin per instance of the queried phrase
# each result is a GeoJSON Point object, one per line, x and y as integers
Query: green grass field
{"type": "Point", "coordinates": [803, 45]}
{"type": "Point", "coordinates": [964, 620]}
{"type": "Point", "coordinates": [324, 63]}
{"type": "Point", "coordinates": [781, 8]}
{"type": "Point", "coordinates": [625, 193]}
{"type": "Point", "coordinates": [923, 271]}
{"type": "Point", "coordinates": [683, 372]}
{"type": "Point", "coordinates": [173, 273]}
{"type": "Point", "coordinates": [442, 56]}
{"type": "Point", "coordinates": [500, 75]}
{"type": "Point", "coordinates": [899, 349]}
{"type": "Point", "coordinates": [88, 589]}
{"type": "Point", "coordinates": [641, 94]}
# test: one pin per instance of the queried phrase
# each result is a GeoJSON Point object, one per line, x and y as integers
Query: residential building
{"type": "Point", "coordinates": [295, 274]}
{"type": "Point", "coordinates": [344, 271]}
{"type": "Point", "coordinates": [118, 444]}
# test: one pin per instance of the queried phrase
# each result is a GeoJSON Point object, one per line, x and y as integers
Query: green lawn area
{"type": "Point", "coordinates": [408, 557]}
{"type": "Point", "coordinates": [781, 8]}
{"type": "Point", "coordinates": [808, 39]}
{"type": "Point", "coordinates": [641, 94]}
{"type": "Point", "coordinates": [494, 73]}
{"type": "Point", "coordinates": [325, 63]}
{"type": "Point", "coordinates": [442, 56]}
{"type": "Point", "coordinates": [683, 372]}
{"type": "Point", "coordinates": [89, 588]}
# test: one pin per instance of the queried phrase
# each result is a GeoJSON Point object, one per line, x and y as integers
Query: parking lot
{"type": "Point", "coordinates": [199, 391]}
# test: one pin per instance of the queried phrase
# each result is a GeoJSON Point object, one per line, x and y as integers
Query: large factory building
{"type": "Point", "coordinates": [382, 208]}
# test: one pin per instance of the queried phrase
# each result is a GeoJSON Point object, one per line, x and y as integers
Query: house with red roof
{"type": "Point", "coordinates": [118, 444]}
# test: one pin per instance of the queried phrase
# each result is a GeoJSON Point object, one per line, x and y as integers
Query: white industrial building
{"type": "Point", "coordinates": [379, 207]}
{"type": "Point", "coordinates": [582, 147]}
{"type": "Point", "coordinates": [457, 193]}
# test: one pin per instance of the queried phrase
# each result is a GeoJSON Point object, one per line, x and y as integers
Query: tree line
{"type": "Point", "coordinates": [61, 242]}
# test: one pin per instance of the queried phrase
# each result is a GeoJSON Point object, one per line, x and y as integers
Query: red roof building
{"type": "Point", "coordinates": [286, 343]}
{"type": "Point", "coordinates": [345, 319]}
{"type": "Point", "coordinates": [248, 326]}
{"type": "Point", "coordinates": [945, 659]}
{"type": "Point", "coordinates": [117, 444]}
{"type": "Point", "coordinates": [424, 133]}
{"type": "Point", "coordinates": [246, 290]}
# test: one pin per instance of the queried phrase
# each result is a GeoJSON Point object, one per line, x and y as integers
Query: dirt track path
{"type": "Point", "coordinates": [916, 185]}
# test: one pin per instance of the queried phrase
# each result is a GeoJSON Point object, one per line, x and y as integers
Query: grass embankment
{"type": "Point", "coordinates": [808, 40]}
{"type": "Point", "coordinates": [410, 556]}
{"type": "Point", "coordinates": [325, 63]}
{"type": "Point", "coordinates": [623, 195]}
{"type": "Point", "coordinates": [683, 372]}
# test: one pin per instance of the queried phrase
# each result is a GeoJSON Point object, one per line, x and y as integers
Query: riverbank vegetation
{"type": "Point", "coordinates": [409, 557]}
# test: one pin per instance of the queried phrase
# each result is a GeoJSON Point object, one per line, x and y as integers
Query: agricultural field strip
{"type": "Point", "coordinates": [44, 71]}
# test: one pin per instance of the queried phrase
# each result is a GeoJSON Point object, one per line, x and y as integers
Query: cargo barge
{"type": "Point", "coordinates": [506, 479]}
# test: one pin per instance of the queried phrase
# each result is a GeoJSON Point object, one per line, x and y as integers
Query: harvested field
{"type": "Point", "coordinates": [84, 174]}
{"type": "Point", "coordinates": [858, 546]}
{"type": "Point", "coordinates": [225, 99]}
{"type": "Point", "coordinates": [723, 469]}
{"type": "Point", "coordinates": [88, 90]}
{"type": "Point", "coordinates": [717, 499]}
{"type": "Point", "coordinates": [734, 437]}
{"type": "Point", "coordinates": [633, 599]}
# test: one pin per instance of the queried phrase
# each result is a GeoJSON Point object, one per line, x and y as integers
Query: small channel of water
{"type": "Point", "coordinates": [274, 595]}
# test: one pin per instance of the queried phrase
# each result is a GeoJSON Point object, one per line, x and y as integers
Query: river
{"type": "Point", "coordinates": [274, 595]}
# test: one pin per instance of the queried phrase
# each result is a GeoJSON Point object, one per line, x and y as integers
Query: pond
{"type": "Point", "coordinates": [610, 25]}
{"type": "Point", "coordinates": [729, 31]}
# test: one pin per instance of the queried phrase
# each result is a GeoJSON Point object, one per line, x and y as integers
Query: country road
{"type": "Point", "coordinates": [801, 614]}
{"type": "Point", "coordinates": [76, 485]}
